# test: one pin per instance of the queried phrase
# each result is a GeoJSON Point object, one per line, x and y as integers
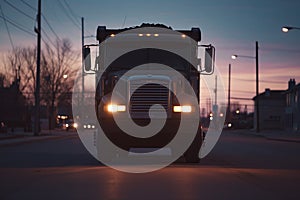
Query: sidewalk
{"type": "Point", "coordinates": [278, 135]}
{"type": "Point", "coordinates": [20, 137]}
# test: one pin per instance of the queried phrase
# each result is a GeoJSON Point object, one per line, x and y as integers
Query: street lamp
{"type": "Point", "coordinates": [236, 56]}
{"type": "Point", "coordinates": [286, 29]}
{"type": "Point", "coordinates": [257, 80]}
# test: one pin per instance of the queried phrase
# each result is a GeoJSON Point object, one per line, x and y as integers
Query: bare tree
{"type": "Point", "coordinates": [27, 72]}
{"type": "Point", "coordinates": [21, 64]}
{"type": "Point", "coordinates": [58, 72]}
{"type": "Point", "coordinates": [3, 80]}
{"type": "Point", "coordinates": [11, 61]}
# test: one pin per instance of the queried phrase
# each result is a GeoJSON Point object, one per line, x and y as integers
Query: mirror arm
{"type": "Point", "coordinates": [205, 45]}
{"type": "Point", "coordinates": [90, 45]}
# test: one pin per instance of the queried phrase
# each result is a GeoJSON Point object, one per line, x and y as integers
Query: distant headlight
{"type": "Point", "coordinates": [89, 126]}
{"type": "Point", "coordinates": [75, 125]}
{"type": "Point", "coordinates": [116, 108]}
{"type": "Point", "coordinates": [184, 109]}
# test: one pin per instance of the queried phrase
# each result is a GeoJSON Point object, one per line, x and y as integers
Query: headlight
{"type": "Point", "coordinates": [89, 126]}
{"type": "Point", "coordinates": [75, 125]}
{"type": "Point", "coordinates": [116, 108]}
{"type": "Point", "coordinates": [185, 109]}
{"type": "Point", "coordinates": [229, 125]}
{"type": "Point", "coordinates": [67, 125]}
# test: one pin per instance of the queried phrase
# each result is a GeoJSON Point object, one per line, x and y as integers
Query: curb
{"type": "Point", "coordinates": [11, 137]}
{"type": "Point", "coordinates": [31, 139]}
{"type": "Point", "coordinates": [274, 138]}
{"type": "Point", "coordinates": [282, 139]}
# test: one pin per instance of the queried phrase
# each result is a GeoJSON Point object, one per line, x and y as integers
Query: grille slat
{"type": "Point", "coordinates": [147, 95]}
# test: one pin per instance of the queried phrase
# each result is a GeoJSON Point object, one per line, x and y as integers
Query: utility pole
{"type": "Point", "coordinates": [229, 88]}
{"type": "Point", "coordinates": [257, 88]}
{"type": "Point", "coordinates": [82, 47]}
{"type": "Point", "coordinates": [216, 90]}
{"type": "Point", "coordinates": [38, 71]}
{"type": "Point", "coordinates": [215, 106]}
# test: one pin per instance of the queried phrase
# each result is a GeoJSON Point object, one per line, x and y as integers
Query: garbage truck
{"type": "Point", "coordinates": [148, 94]}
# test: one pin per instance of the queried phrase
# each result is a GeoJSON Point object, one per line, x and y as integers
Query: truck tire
{"type": "Point", "coordinates": [192, 154]}
{"type": "Point", "coordinates": [108, 155]}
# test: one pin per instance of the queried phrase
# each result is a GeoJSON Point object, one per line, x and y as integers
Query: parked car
{"type": "Point", "coordinates": [70, 124]}
{"type": "Point", "coordinates": [3, 128]}
{"type": "Point", "coordinates": [87, 124]}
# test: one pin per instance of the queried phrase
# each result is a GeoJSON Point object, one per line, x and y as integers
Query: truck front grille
{"type": "Point", "coordinates": [144, 97]}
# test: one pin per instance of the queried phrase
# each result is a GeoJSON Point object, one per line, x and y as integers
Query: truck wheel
{"type": "Point", "coordinates": [191, 157]}
{"type": "Point", "coordinates": [105, 153]}
{"type": "Point", "coordinates": [107, 157]}
{"type": "Point", "coordinates": [192, 154]}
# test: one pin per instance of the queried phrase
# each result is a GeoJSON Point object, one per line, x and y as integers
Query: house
{"type": "Point", "coordinates": [292, 111]}
{"type": "Point", "coordinates": [271, 104]}
{"type": "Point", "coordinates": [13, 110]}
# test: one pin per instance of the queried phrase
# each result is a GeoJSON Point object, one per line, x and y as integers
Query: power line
{"type": "Point", "coordinates": [17, 25]}
{"type": "Point", "coordinates": [241, 98]}
{"type": "Point", "coordinates": [44, 17]}
{"type": "Point", "coordinates": [71, 10]}
{"type": "Point", "coordinates": [9, 35]}
{"type": "Point", "coordinates": [20, 11]}
{"type": "Point", "coordinates": [24, 29]}
{"type": "Point", "coordinates": [124, 21]}
{"type": "Point", "coordinates": [262, 81]}
{"type": "Point", "coordinates": [68, 15]}
{"type": "Point", "coordinates": [48, 38]}
{"type": "Point", "coordinates": [28, 5]}
{"type": "Point", "coordinates": [47, 43]}
{"type": "Point", "coordinates": [10, 20]}
{"type": "Point", "coordinates": [74, 15]}
{"type": "Point", "coordinates": [52, 30]}
{"type": "Point", "coordinates": [241, 91]}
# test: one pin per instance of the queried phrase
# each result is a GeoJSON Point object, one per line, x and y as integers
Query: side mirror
{"type": "Point", "coordinates": [209, 59]}
{"type": "Point", "coordinates": [87, 58]}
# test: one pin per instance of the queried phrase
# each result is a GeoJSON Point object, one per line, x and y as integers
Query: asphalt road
{"type": "Point", "coordinates": [239, 167]}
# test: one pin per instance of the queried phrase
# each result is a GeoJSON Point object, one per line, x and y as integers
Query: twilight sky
{"type": "Point", "coordinates": [232, 26]}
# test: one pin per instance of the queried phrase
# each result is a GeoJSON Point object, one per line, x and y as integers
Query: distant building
{"type": "Point", "coordinates": [13, 110]}
{"type": "Point", "coordinates": [279, 109]}
{"type": "Point", "coordinates": [272, 105]}
{"type": "Point", "coordinates": [292, 111]}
